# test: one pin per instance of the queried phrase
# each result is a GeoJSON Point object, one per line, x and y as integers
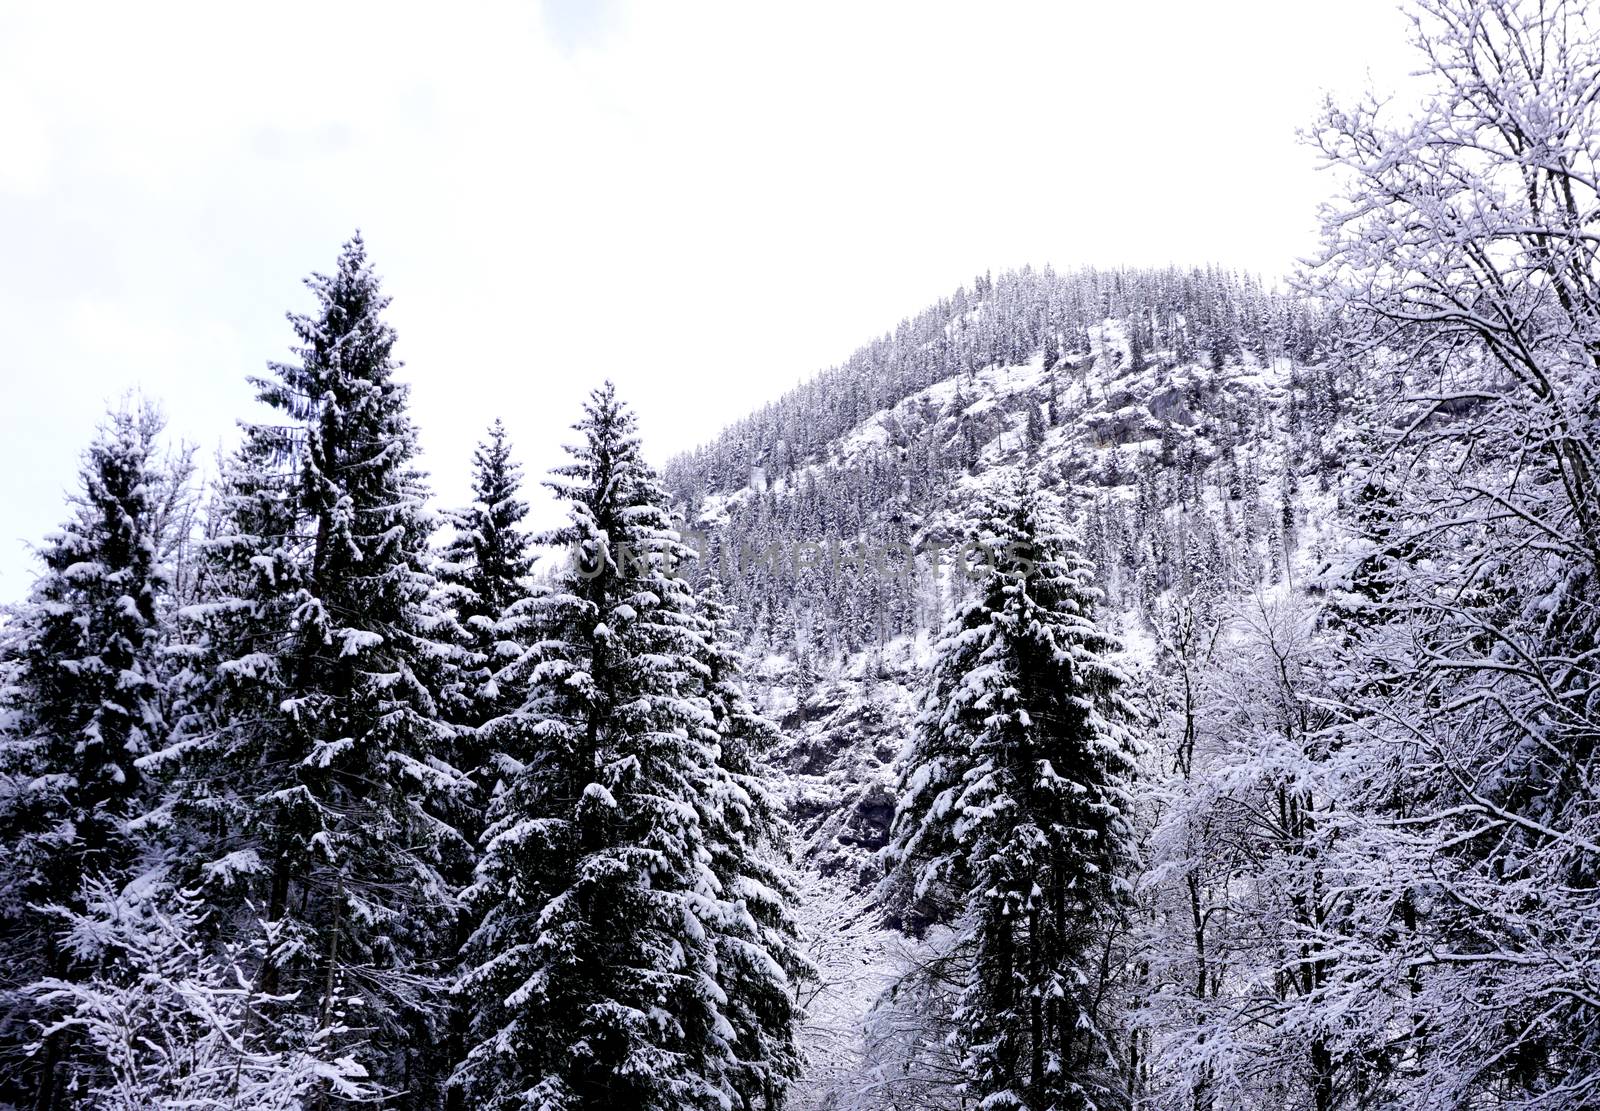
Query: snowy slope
{"type": "Point", "coordinates": [1120, 433]}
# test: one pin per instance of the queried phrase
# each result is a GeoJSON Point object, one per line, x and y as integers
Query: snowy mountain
{"type": "Point", "coordinates": [1175, 466]}
{"type": "Point", "coordinates": [1191, 433]}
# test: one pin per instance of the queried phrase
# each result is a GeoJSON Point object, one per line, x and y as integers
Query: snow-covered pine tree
{"type": "Point", "coordinates": [1014, 817]}
{"type": "Point", "coordinates": [483, 574]}
{"type": "Point", "coordinates": [1034, 426]}
{"type": "Point", "coordinates": [483, 586]}
{"type": "Point", "coordinates": [81, 704]}
{"type": "Point", "coordinates": [593, 977]}
{"type": "Point", "coordinates": [759, 956]}
{"type": "Point", "coordinates": [313, 750]}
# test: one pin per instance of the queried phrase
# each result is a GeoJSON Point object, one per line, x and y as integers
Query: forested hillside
{"type": "Point", "coordinates": [1144, 391]}
{"type": "Point", "coordinates": [1204, 474]}
{"type": "Point", "coordinates": [1110, 689]}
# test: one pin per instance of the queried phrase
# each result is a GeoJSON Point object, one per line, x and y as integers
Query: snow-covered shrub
{"type": "Point", "coordinates": [169, 1021]}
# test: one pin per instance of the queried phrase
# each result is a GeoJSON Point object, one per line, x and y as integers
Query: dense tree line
{"type": "Point", "coordinates": [355, 819]}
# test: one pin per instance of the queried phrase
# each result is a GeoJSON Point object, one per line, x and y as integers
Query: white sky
{"type": "Point", "coordinates": [705, 202]}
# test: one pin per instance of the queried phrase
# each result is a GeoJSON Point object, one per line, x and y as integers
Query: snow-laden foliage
{"type": "Point", "coordinates": [484, 595]}
{"type": "Point", "coordinates": [1015, 815]}
{"type": "Point", "coordinates": [634, 947]}
{"type": "Point", "coordinates": [483, 573]}
{"type": "Point", "coordinates": [1340, 613]}
{"type": "Point", "coordinates": [1465, 257]}
{"type": "Point", "coordinates": [82, 703]}
{"type": "Point", "coordinates": [311, 764]}
{"type": "Point", "coordinates": [172, 1023]}
{"type": "Point", "coordinates": [1240, 881]}
{"type": "Point", "coordinates": [760, 962]}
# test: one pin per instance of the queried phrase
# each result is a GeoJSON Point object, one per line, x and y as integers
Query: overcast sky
{"type": "Point", "coordinates": [705, 202]}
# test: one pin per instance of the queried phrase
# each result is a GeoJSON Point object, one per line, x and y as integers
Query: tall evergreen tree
{"type": "Point", "coordinates": [483, 574]}
{"type": "Point", "coordinates": [81, 705]}
{"type": "Point", "coordinates": [1014, 815]}
{"type": "Point", "coordinates": [1034, 426]}
{"type": "Point", "coordinates": [594, 977]}
{"type": "Point", "coordinates": [314, 745]}
{"type": "Point", "coordinates": [483, 584]}
{"type": "Point", "coordinates": [1136, 343]}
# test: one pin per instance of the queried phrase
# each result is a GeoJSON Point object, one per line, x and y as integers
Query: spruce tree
{"type": "Point", "coordinates": [312, 747]}
{"type": "Point", "coordinates": [1014, 814]}
{"type": "Point", "coordinates": [1034, 426]}
{"type": "Point", "coordinates": [82, 704]}
{"type": "Point", "coordinates": [1136, 344]}
{"type": "Point", "coordinates": [483, 573]}
{"type": "Point", "coordinates": [593, 977]}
